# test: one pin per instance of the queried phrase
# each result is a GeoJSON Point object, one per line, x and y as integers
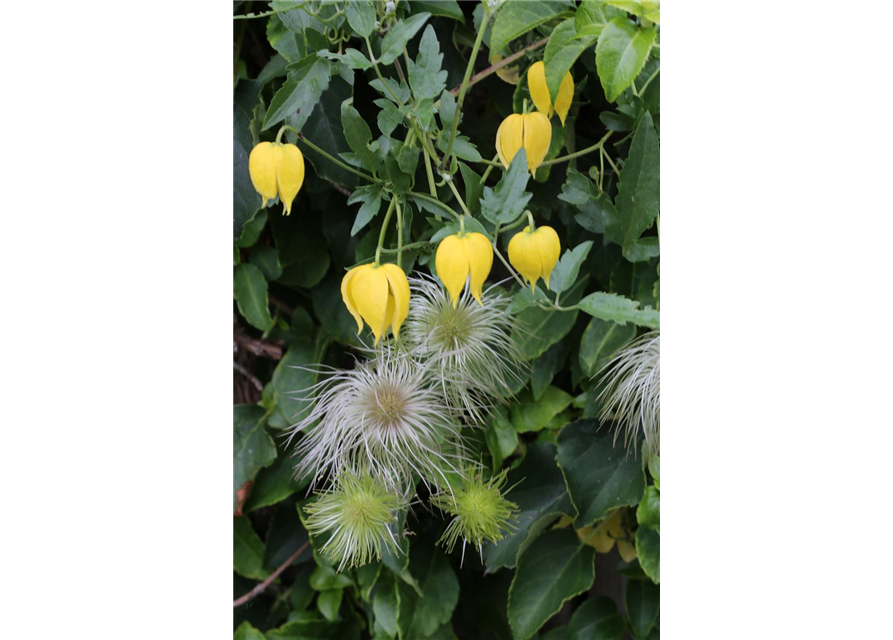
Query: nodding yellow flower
{"type": "Point", "coordinates": [378, 294]}
{"type": "Point", "coordinates": [534, 253]}
{"type": "Point", "coordinates": [277, 169]}
{"type": "Point", "coordinates": [539, 92]}
{"type": "Point", "coordinates": [529, 130]}
{"type": "Point", "coordinates": [459, 255]}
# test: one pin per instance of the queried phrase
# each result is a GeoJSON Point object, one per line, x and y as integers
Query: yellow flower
{"type": "Point", "coordinates": [459, 255]}
{"type": "Point", "coordinates": [277, 169]}
{"type": "Point", "coordinates": [539, 92]}
{"type": "Point", "coordinates": [510, 73]}
{"type": "Point", "coordinates": [534, 253]}
{"type": "Point", "coordinates": [378, 294]}
{"type": "Point", "coordinates": [531, 131]}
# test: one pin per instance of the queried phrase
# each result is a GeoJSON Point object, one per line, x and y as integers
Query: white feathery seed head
{"type": "Point", "coordinates": [631, 395]}
{"type": "Point", "coordinates": [469, 348]}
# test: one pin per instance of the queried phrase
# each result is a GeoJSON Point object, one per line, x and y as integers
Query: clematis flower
{"type": "Point", "coordinates": [378, 294]}
{"type": "Point", "coordinates": [459, 255]}
{"type": "Point", "coordinates": [529, 130]}
{"type": "Point", "coordinates": [539, 92]}
{"type": "Point", "coordinates": [277, 169]}
{"type": "Point", "coordinates": [535, 253]}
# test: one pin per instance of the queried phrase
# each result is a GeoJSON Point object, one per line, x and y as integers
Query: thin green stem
{"type": "Point", "coordinates": [508, 266]}
{"type": "Point", "coordinates": [381, 77]}
{"type": "Point", "coordinates": [489, 163]}
{"type": "Point", "coordinates": [407, 247]}
{"type": "Point", "coordinates": [582, 152]}
{"type": "Point", "coordinates": [490, 167]}
{"type": "Point", "coordinates": [530, 220]}
{"type": "Point", "coordinates": [517, 223]}
{"type": "Point", "coordinates": [435, 201]}
{"type": "Point", "coordinates": [331, 158]}
{"type": "Point", "coordinates": [648, 81]}
{"type": "Point", "coordinates": [455, 191]}
{"type": "Point", "coordinates": [384, 229]}
{"type": "Point", "coordinates": [463, 88]}
{"type": "Point", "coordinates": [611, 162]}
{"type": "Point", "coordinates": [399, 233]}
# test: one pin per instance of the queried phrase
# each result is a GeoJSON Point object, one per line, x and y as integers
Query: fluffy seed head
{"type": "Point", "coordinates": [631, 397]}
{"type": "Point", "coordinates": [358, 513]}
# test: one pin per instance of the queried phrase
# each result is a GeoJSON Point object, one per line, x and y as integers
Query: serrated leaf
{"type": "Point", "coordinates": [568, 267]}
{"type": "Point", "coordinates": [648, 550]}
{"type": "Point", "coordinates": [554, 569]}
{"type": "Point", "coordinates": [517, 18]}
{"type": "Point", "coordinates": [616, 308]}
{"type": "Point", "coordinates": [579, 191]}
{"type": "Point", "coordinates": [562, 50]}
{"type": "Point", "coordinates": [538, 329]}
{"type": "Point", "coordinates": [358, 135]}
{"type": "Point", "coordinates": [445, 8]}
{"type": "Point", "coordinates": [361, 17]}
{"type": "Point", "coordinates": [638, 193]}
{"type": "Point", "coordinates": [601, 340]}
{"type": "Point", "coordinates": [462, 147]}
{"type": "Point", "coordinates": [253, 448]}
{"type": "Point", "coordinates": [507, 201]}
{"type": "Point", "coordinates": [370, 196]}
{"type": "Point", "coordinates": [250, 292]}
{"type": "Point", "coordinates": [297, 97]}
{"type": "Point", "coordinates": [400, 34]}
{"type": "Point", "coordinates": [600, 476]}
{"type": "Point", "coordinates": [425, 75]}
{"type": "Point", "coordinates": [620, 54]}
{"type": "Point", "coordinates": [541, 495]}
{"type": "Point", "coordinates": [597, 619]}
{"type": "Point", "coordinates": [525, 298]}
{"type": "Point", "coordinates": [248, 550]}
{"type": "Point", "coordinates": [593, 15]}
{"type": "Point", "coordinates": [474, 189]}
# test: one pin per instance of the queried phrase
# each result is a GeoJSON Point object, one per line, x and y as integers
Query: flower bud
{"type": "Point", "coordinates": [460, 255]}
{"type": "Point", "coordinates": [539, 92]}
{"type": "Point", "coordinates": [529, 130]}
{"type": "Point", "coordinates": [277, 170]}
{"type": "Point", "coordinates": [378, 295]}
{"type": "Point", "coordinates": [535, 253]}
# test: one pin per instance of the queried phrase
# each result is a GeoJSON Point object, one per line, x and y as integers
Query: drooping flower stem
{"type": "Point", "coordinates": [582, 152]}
{"type": "Point", "coordinates": [332, 159]}
{"type": "Point", "coordinates": [399, 234]}
{"type": "Point", "coordinates": [384, 229]}
{"type": "Point", "coordinates": [434, 201]}
{"type": "Point", "coordinates": [530, 221]}
{"type": "Point", "coordinates": [458, 197]}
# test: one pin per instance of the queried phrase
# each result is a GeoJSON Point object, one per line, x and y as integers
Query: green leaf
{"type": "Point", "coordinates": [582, 193]}
{"type": "Point", "coordinates": [361, 17]}
{"type": "Point", "coordinates": [324, 578]}
{"type": "Point", "coordinates": [285, 536]}
{"type": "Point", "coordinates": [638, 193]}
{"type": "Point", "coordinates": [597, 619]}
{"type": "Point", "coordinates": [648, 513]}
{"type": "Point", "coordinates": [328, 603]}
{"type": "Point", "coordinates": [302, 249]}
{"type": "Point", "coordinates": [610, 306]}
{"type": "Point", "coordinates": [251, 230]}
{"type": "Point", "coordinates": [425, 75]}
{"type": "Point", "coordinates": [345, 629]}
{"type": "Point", "coordinates": [265, 258]}
{"type": "Point", "coordinates": [358, 134]}
{"type": "Point", "coordinates": [291, 381]}
{"type": "Point", "coordinates": [308, 79]}
{"type": "Point", "coordinates": [538, 329]}
{"type": "Point", "coordinates": [246, 201]}
{"type": "Point", "coordinates": [545, 367]}
{"type": "Point", "coordinates": [593, 16]}
{"type": "Point", "coordinates": [648, 549]}
{"type": "Point", "coordinates": [370, 196]}
{"type": "Point", "coordinates": [601, 340]}
{"type": "Point", "coordinates": [325, 131]}
{"type": "Point", "coordinates": [642, 606]}
{"type": "Point", "coordinates": [562, 50]}
{"type": "Point", "coordinates": [250, 292]}
{"type": "Point", "coordinates": [355, 59]}
{"type": "Point", "coordinates": [289, 44]}
{"type": "Point", "coordinates": [634, 8]}
{"type": "Point", "coordinates": [248, 550]}
{"type": "Point", "coordinates": [275, 483]}
{"type": "Point", "coordinates": [445, 8]}
{"type": "Point", "coordinates": [419, 617]}
{"type": "Point", "coordinates": [525, 298]}
{"type": "Point", "coordinates": [654, 470]}
{"type": "Point", "coordinates": [253, 448]}
{"type": "Point", "coordinates": [507, 201]}
{"type": "Point", "coordinates": [565, 273]}
{"type": "Point", "coordinates": [462, 147]}
{"type": "Point", "coordinates": [554, 569]}
{"type": "Point", "coordinates": [384, 605]}
{"type": "Point", "coordinates": [400, 34]}
{"type": "Point", "coordinates": [599, 476]}
{"type": "Point", "coordinates": [502, 439]}
{"type": "Point", "coordinates": [517, 18]}
{"type": "Point", "coordinates": [533, 415]}
{"type": "Point", "coordinates": [247, 632]}
{"type": "Point", "coordinates": [389, 116]}
{"type": "Point", "coordinates": [329, 308]}
{"type": "Point", "coordinates": [541, 495]}
{"type": "Point", "coordinates": [620, 54]}
{"type": "Point", "coordinates": [474, 189]}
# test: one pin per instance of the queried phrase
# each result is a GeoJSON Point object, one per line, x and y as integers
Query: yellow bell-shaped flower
{"type": "Point", "coordinates": [277, 169]}
{"type": "Point", "coordinates": [460, 255]}
{"type": "Point", "coordinates": [535, 253]}
{"type": "Point", "coordinates": [529, 130]}
{"type": "Point", "coordinates": [539, 92]}
{"type": "Point", "coordinates": [378, 294]}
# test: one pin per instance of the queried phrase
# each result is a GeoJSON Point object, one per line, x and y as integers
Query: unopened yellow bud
{"type": "Point", "coordinates": [535, 253]}
{"type": "Point", "coordinates": [529, 130]}
{"type": "Point", "coordinates": [539, 92]}
{"type": "Point", "coordinates": [277, 170]}
{"type": "Point", "coordinates": [378, 295]}
{"type": "Point", "coordinates": [460, 255]}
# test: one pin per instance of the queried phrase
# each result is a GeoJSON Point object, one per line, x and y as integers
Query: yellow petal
{"type": "Point", "coordinates": [509, 73]}
{"type": "Point", "coordinates": [369, 291]}
{"type": "Point", "coordinates": [346, 297]}
{"type": "Point", "coordinates": [480, 261]}
{"type": "Point", "coordinates": [597, 538]}
{"type": "Point", "coordinates": [262, 169]}
{"type": "Point", "coordinates": [451, 262]}
{"type": "Point", "coordinates": [509, 138]}
{"type": "Point", "coordinates": [539, 92]}
{"type": "Point", "coordinates": [549, 249]}
{"type": "Point", "coordinates": [537, 136]}
{"type": "Point", "coordinates": [290, 174]}
{"type": "Point", "coordinates": [565, 97]}
{"type": "Point", "coordinates": [399, 286]}
{"type": "Point", "coordinates": [524, 255]}
{"type": "Point", "coordinates": [627, 550]}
